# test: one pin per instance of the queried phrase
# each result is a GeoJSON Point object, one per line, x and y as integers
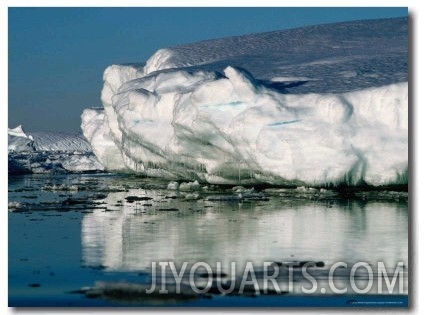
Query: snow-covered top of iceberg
{"type": "Point", "coordinates": [18, 140]}
{"type": "Point", "coordinates": [317, 105]}
{"type": "Point", "coordinates": [325, 58]}
{"type": "Point", "coordinates": [18, 132]}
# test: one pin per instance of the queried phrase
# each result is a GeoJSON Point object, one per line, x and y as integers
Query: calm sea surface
{"type": "Point", "coordinates": [95, 239]}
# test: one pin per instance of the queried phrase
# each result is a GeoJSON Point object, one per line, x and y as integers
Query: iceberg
{"type": "Point", "coordinates": [314, 106]}
{"type": "Point", "coordinates": [49, 152]}
{"type": "Point", "coordinates": [19, 141]}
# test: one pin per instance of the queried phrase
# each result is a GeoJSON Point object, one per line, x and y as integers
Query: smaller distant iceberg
{"type": "Point", "coordinates": [19, 141]}
{"type": "Point", "coordinates": [48, 152]}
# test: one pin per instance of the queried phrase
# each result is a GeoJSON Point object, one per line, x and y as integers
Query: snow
{"type": "Point", "coordinates": [312, 106]}
{"type": "Point", "coordinates": [18, 132]}
{"type": "Point", "coordinates": [49, 152]}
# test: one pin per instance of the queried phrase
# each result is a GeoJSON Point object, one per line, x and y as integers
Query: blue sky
{"type": "Point", "coordinates": [57, 55]}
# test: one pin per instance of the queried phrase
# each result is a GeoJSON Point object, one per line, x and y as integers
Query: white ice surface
{"type": "Point", "coordinates": [59, 141]}
{"type": "Point", "coordinates": [18, 132]}
{"type": "Point", "coordinates": [96, 130]}
{"type": "Point", "coordinates": [318, 105]}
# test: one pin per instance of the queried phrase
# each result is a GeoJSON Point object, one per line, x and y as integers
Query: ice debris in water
{"type": "Point", "coordinates": [306, 190]}
{"type": "Point", "coordinates": [54, 188]}
{"type": "Point", "coordinates": [191, 186]}
{"type": "Point", "coordinates": [14, 205]}
{"type": "Point", "coordinates": [173, 186]}
{"type": "Point", "coordinates": [241, 189]}
{"type": "Point", "coordinates": [193, 196]}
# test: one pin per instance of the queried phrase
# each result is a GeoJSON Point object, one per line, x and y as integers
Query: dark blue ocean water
{"type": "Point", "coordinates": [72, 238]}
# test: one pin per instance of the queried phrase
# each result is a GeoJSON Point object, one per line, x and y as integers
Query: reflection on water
{"type": "Point", "coordinates": [130, 222]}
{"type": "Point", "coordinates": [133, 235]}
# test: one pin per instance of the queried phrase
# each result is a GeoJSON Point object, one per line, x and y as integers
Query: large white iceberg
{"type": "Point", "coordinates": [317, 106]}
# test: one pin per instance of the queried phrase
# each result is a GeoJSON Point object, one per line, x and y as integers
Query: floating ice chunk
{"type": "Point", "coordinates": [173, 186]}
{"type": "Point", "coordinates": [14, 205]}
{"type": "Point", "coordinates": [63, 187]}
{"type": "Point", "coordinates": [241, 189]}
{"type": "Point", "coordinates": [193, 196]}
{"type": "Point", "coordinates": [306, 190]}
{"type": "Point", "coordinates": [191, 186]}
{"type": "Point", "coordinates": [81, 163]}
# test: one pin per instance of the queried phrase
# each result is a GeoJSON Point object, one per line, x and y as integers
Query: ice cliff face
{"type": "Point", "coordinates": [318, 105]}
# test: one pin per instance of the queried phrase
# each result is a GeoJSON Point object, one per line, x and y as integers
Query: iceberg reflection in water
{"type": "Point", "coordinates": [131, 236]}
{"type": "Point", "coordinates": [101, 234]}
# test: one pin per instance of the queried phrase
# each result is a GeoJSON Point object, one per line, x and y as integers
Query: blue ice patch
{"type": "Point", "coordinates": [283, 123]}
